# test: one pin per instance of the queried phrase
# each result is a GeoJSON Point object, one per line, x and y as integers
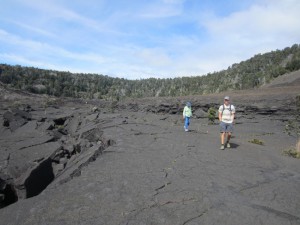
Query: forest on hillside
{"type": "Point", "coordinates": [254, 72]}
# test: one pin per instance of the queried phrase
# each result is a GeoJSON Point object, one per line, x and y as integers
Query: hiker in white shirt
{"type": "Point", "coordinates": [226, 118]}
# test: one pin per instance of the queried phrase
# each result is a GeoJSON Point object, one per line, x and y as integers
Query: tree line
{"type": "Point", "coordinates": [254, 72]}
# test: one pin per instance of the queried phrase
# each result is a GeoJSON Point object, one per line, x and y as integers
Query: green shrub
{"type": "Point", "coordinates": [256, 141]}
{"type": "Point", "coordinates": [211, 114]}
{"type": "Point", "coordinates": [292, 152]}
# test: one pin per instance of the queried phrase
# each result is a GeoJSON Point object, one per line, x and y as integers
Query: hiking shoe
{"type": "Point", "coordinates": [228, 145]}
{"type": "Point", "coordinates": [222, 147]}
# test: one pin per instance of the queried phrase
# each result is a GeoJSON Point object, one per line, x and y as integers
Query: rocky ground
{"type": "Point", "coordinates": [67, 161]}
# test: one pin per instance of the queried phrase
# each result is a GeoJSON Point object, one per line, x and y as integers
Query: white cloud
{"type": "Point", "coordinates": [259, 24]}
{"type": "Point", "coordinates": [265, 26]}
{"type": "Point", "coordinates": [154, 57]}
{"type": "Point", "coordinates": [146, 39]}
{"type": "Point", "coordinates": [52, 10]}
{"type": "Point", "coordinates": [37, 30]}
{"type": "Point", "coordinates": [46, 51]}
{"type": "Point", "coordinates": [21, 60]}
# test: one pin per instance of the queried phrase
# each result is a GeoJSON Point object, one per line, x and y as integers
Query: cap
{"type": "Point", "coordinates": [226, 98]}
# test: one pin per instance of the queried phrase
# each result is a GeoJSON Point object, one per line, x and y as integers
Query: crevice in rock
{"type": "Point", "coordinates": [53, 139]}
{"type": "Point", "coordinates": [8, 196]}
{"type": "Point", "coordinates": [65, 162]}
{"type": "Point", "coordinates": [39, 178]}
{"type": "Point", "coordinates": [60, 121]}
{"type": "Point", "coordinates": [92, 158]}
{"type": "Point", "coordinates": [196, 217]}
{"type": "Point", "coordinates": [163, 186]}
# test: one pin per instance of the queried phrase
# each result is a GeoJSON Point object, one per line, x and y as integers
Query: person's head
{"type": "Point", "coordinates": [188, 104]}
{"type": "Point", "coordinates": [226, 99]}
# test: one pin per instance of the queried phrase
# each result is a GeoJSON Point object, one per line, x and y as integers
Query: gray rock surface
{"type": "Point", "coordinates": [40, 146]}
{"type": "Point", "coordinates": [71, 165]}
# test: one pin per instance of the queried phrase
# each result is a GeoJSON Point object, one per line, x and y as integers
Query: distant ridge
{"type": "Point", "coordinates": [255, 72]}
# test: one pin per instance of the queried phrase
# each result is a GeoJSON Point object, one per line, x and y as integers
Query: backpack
{"type": "Point", "coordinates": [228, 109]}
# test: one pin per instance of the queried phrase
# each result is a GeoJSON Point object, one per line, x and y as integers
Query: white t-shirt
{"type": "Point", "coordinates": [228, 113]}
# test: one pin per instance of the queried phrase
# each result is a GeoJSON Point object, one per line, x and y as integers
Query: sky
{"type": "Point", "coordinates": [139, 39]}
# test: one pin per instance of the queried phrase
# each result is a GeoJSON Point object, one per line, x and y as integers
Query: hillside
{"type": "Point", "coordinates": [289, 79]}
{"type": "Point", "coordinates": [252, 73]}
{"type": "Point", "coordinates": [68, 161]}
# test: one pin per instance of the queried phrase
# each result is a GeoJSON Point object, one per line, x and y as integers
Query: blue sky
{"type": "Point", "coordinates": [138, 39]}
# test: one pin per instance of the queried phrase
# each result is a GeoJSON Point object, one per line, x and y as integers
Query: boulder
{"type": "Point", "coordinates": [15, 118]}
{"type": "Point", "coordinates": [200, 113]}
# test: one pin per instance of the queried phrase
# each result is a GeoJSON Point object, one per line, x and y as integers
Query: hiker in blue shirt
{"type": "Point", "coordinates": [187, 113]}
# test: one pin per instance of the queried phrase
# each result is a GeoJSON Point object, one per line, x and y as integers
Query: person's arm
{"type": "Point", "coordinates": [233, 116]}
{"type": "Point", "coordinates": [183, 114]}
{"type": "Point", "coordinates": [220, 116]}
{"type": "Point", "coordinates": [220, 110]}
